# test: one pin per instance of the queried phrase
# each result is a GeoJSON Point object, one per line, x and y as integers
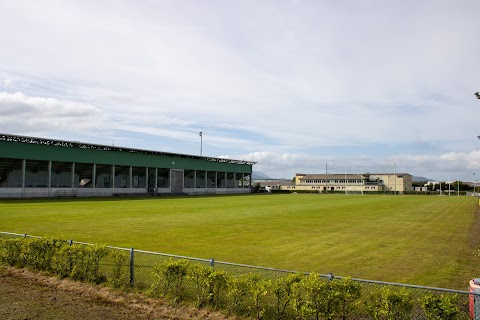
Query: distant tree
{"type": "Point", "coordinates": [459, 185]}
{"type": "Point", "coordinates": [418, 184]}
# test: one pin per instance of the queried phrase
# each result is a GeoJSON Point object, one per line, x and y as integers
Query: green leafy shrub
{"type": "Point", "coordinates": [38, 253]}
{"type": "Point", "coordinates": [237, 291]}
{"type": "Point", "coordinates": [208, 284]}
{"type": "Point", "coordinates": [199, 276]}
{"type": "Point", "coordinates": [309, 293]}
{"type": "Point", "coordinates": [247, 295]}
{"type": "Point", "coordinates": [169, 279]}
{"type": "Point", "coordinates": [119, 278]}
{"type": "Point", "coordinates": [258, 290]}
{"type": "Point", "coordinates": [387, 303]}
{"type": "Point", "coordinates": [35, 253]}
{"type": "Point", "coordinates": [217, 287]}
{"type": "Point", "coordinates": [11, 251]}
{"type": "Point", "coordinates": [348, 294]}
{"type": "Point", "coordinates": [81, 262]}
{"type": "Point", "coordinates": [282, 290]}
{"type": "Point", "coordinates": [436, 307]}
{"type": "Point", "coordinates": [66, 260]}
{"type": "Point", "coordinates": [315, 297]}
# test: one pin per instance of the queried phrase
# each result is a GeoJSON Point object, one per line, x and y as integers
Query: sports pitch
{"type": "Point", "coordinates": [425, 240]}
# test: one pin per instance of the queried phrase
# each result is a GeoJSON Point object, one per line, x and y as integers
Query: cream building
{"type": "Point", "coordinates": [398, 182]}
{"type": "Point", "coordinates": [370, 182]}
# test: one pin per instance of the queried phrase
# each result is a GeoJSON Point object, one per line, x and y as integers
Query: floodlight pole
{"type": "Point", "coordinates": [201, 141]}
{"type": "Point", "coordinates": [363, 182]}
{"type": "Point", "coordinates": [395, 177]}
{"type": "Point", "coordinates": [326, 177]}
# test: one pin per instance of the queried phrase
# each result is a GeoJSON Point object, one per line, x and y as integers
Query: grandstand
{"type": "Point", "coordinates": [39, 167]}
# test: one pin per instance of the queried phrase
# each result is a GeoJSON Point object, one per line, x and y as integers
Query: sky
{"type": "Point", "coordinates": [296, 86]}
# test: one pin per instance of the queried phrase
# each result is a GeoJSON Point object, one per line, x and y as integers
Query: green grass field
{"type": "Point", "coordinates": [427, 240]}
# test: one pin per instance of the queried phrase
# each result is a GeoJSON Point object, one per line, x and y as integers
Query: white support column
{"type": "Point", "coordinates": [206, 179]}
{"type": "Point", "coordinates": [195, 179]}
{"type": "Point", "coordinates": [170, 180]}
{"type": "Point", "coordinates": [73, 176]}
{"type": "Point", "coordinates": [156, 180]}
{"type": "Point", "coordinates": [94, 176]}
{"type": "Point", "coordinates": [146, 179]}
{"type": "Point", "coordinates": [112, 180]}
{"type": "Point", "coordinates": [49, 177]}
{"type": "Point", "coordinates": [130, 177]}
{"type": "Point", "coordinates": [24, 167]}
{"type": "Point", "coordinates": [216, 179]}
{"type": "Point", "coordinates": [395, 180]}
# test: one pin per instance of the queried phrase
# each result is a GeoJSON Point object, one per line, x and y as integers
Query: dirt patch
{"type": "Point", "coordinates": [28, 295]}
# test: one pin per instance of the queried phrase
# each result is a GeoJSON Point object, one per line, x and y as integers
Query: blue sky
{"type": "Point", "coordinates": [294, 85]}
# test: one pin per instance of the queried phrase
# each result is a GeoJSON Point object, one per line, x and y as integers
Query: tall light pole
{"type": "Point", "coordinates": [363, 181]}
{"type": "Point", "coordinates": [201, 141]}
{"type": "Point", "coordinates": [326, 177]}
{"type": "Point", "coordinates": [395, 177]}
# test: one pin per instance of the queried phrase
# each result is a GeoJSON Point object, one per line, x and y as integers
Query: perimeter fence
{"type": "Point", "coordinates": [237, 289]}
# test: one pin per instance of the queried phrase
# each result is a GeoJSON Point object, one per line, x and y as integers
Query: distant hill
{"type": "Point", "coordinates": [420, 179]}
{"type": "Point", "coordinates": [256, 175]}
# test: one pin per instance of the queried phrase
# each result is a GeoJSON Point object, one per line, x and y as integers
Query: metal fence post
{"type": "Point", "coordinates": [132, 267]}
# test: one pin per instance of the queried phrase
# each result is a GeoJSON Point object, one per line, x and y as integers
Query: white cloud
{"type": "Point", "coordinates": [450, 166]}
{"type": "Point", "coordinates": [301, 81]}
{"type": "Point", "coordinates": [470, 161]}
{"type": "Point", "coordinates": [21, 113]}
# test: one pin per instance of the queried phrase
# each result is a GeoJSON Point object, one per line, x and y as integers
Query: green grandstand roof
{"type": "Point", "coordinates": [98, 147]}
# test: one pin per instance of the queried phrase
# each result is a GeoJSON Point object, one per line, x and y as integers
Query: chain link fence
{"type": "Point", "coordinates": [242, 290]}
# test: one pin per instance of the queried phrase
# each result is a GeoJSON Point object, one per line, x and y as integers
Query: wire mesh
{"type": "Point", "coordinates": [251, 291]}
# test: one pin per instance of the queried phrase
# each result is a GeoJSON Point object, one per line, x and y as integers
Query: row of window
{"type": "Point", "coordinates": [340, 187]}
{"type": "Point", "coordinates": [313, 181]}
